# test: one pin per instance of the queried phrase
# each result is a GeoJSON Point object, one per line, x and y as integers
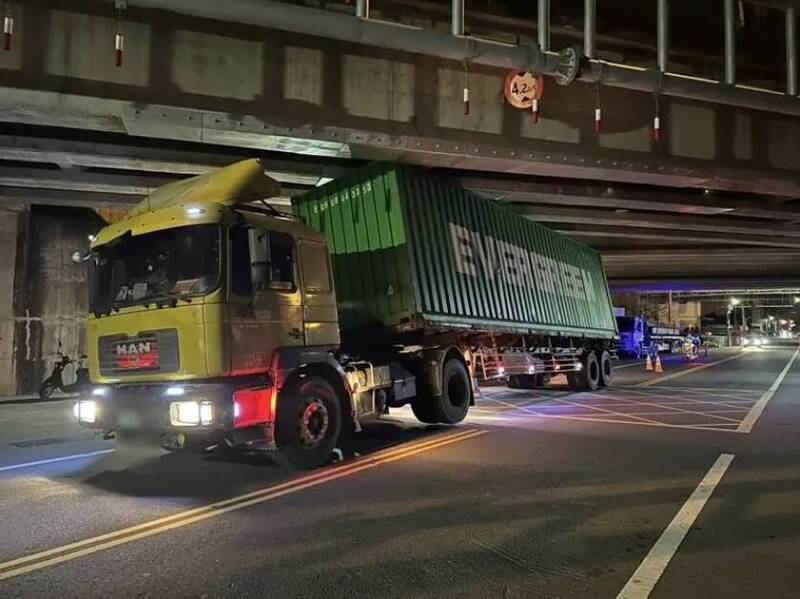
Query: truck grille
{"type": "Point", "coordinates": [150, 352]}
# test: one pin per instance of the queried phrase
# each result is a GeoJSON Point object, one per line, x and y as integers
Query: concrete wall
{"type": "Point", "coordinates": [51, 299]}
{"type": "Point", "coordinates": [9, 224]}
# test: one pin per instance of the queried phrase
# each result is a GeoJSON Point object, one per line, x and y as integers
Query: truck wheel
{"type": "Point", "coordinates": [606, 369]}
{"type": "Point", "coordinates": [588, 378]}
{"type": "Point", "coordinates": [453, 404]}
{"type": "Point", "coordinates": [308, 424]}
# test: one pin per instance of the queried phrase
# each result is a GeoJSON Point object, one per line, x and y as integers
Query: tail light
{"type": "Point", "coordinates": [254, 406]}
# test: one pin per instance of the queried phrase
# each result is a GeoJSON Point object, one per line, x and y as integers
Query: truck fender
{"type": "Point", "coordinates": [293, 363]}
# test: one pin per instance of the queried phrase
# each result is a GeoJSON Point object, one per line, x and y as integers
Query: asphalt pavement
{"type": "Point", "coordinates": [681, 484]}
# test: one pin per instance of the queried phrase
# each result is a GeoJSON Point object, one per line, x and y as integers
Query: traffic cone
{"type": "Point", "coordinates": [648, 365]}
{"type": "Point", "coordinates": [658, 368]}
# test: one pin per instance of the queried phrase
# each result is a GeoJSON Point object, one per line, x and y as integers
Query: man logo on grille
{"type": "Point", "coordinates": [133, 349]}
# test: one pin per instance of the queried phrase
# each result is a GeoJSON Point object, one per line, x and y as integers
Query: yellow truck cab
{"type": "Point", "coordinates": [201, 308]}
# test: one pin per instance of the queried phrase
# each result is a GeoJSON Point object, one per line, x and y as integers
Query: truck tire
{"type": "Point", "coordinates": [452, 405]}
{"type": "Point", "coordinates": [308, 424]}
{"type": "Point", "coordinates": [588, 378]}
{"type": "Point", "coordinates": [606, 369]}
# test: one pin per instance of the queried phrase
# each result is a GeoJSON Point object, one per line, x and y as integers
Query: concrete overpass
{"type": "Point", "coordinates": [315, 92]}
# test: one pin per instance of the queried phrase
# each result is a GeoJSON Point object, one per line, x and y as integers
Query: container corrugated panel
{"type": "Point", "coordinates": [411, 247]}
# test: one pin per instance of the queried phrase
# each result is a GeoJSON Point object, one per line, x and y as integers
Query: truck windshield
{"type": "Point", "coordinates": [155, 267]}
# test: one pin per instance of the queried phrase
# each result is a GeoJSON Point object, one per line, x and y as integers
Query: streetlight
{"type": "Point", "coordinates": [735, 301]}
{"type": "Point", "coordinates": [796, 299]}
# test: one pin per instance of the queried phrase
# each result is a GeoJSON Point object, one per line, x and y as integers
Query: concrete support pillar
{"type": "Point", "coordinates": [9, 227]}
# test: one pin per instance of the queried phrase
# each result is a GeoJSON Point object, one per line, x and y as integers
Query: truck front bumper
{"type": "Point", "coordinates": [176, 415]}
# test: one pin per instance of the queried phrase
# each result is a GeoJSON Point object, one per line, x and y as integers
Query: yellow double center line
{"type": "Point", "coordinates": [65, 553]}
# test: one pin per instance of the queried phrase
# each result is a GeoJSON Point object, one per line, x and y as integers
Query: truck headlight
{"type": "Point", "coordinates": [191, 413]}
{"type": "Point", "coordinates": [85, 411]}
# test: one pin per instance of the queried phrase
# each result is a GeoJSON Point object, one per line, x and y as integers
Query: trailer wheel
{"type": "Point", "coordinates": [453, 404]}
{"type": "Point", "coordinates": [588, 378]}
{"type": "Point", "coordinates": [606, 369]}
{"type": "Point", "coordinates": [308, 424]}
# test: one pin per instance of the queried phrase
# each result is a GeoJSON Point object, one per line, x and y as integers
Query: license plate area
{"type": "Point", "coordinates": [129, 420]}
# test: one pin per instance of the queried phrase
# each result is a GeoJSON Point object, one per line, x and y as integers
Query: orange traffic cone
{"type": "Point", "coordinates": [658, 368]}
{"type": "Point", "coordinates": [648, 365]}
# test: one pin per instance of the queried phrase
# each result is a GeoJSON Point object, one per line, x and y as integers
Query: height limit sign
{"type": "Point", "coordinates": [523, 90]}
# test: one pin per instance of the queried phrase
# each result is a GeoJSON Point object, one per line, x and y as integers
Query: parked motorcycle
{"type": "Point", "coordinates": [56, 378]}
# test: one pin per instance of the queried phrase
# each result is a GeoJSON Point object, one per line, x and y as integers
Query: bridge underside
{"type": "Point", "coordinates": [651, 237]}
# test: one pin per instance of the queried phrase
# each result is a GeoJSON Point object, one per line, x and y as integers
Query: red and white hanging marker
{"type": "Point", "coordinates": [8, 32]}
{"type": "Point", "coordinates": [656, 128]}
{"type": "Point", "coordinates": [119, 49]}
{"type": "Point", "coordinates": [466, 101]}
{"type": "Point", "coordinates": [598, 120]}
{"type": "Point", "coordinates": [119, 38]}
{"type": "Point", "coordinates": [535, 111]}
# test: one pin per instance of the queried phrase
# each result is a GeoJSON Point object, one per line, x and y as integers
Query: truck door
{"type": "Point", "coordinates": [319, 303]}
{"type": "Point", "coordinates": [265, 307]}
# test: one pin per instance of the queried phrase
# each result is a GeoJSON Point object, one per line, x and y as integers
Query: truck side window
{"type": "Point", "coordinates": [280, 261]}
{"type": "Point", "coordinates": [261, 259]}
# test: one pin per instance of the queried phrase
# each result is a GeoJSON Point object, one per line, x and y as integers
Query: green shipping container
{"type": "Point", "coordinates": [410, 250]}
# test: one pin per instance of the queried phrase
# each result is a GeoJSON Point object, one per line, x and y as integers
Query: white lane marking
{"type": "Point", "coordinates": [691, 370]}
{"type": "Point", "coordinates": [629, 365]}
{"type": "Point", "coordinates": [753, 415]}
{"type": "Point", "coordinates": [76, 456]}
{"type": "Point", "coordinates": [649, 572]}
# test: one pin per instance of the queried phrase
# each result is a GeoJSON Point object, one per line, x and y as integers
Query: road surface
{"type": "Point", "coordinates": [684, 484]}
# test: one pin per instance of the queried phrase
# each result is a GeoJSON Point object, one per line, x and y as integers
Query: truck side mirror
{"type": "Point", "coordinates": [79, 257]}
